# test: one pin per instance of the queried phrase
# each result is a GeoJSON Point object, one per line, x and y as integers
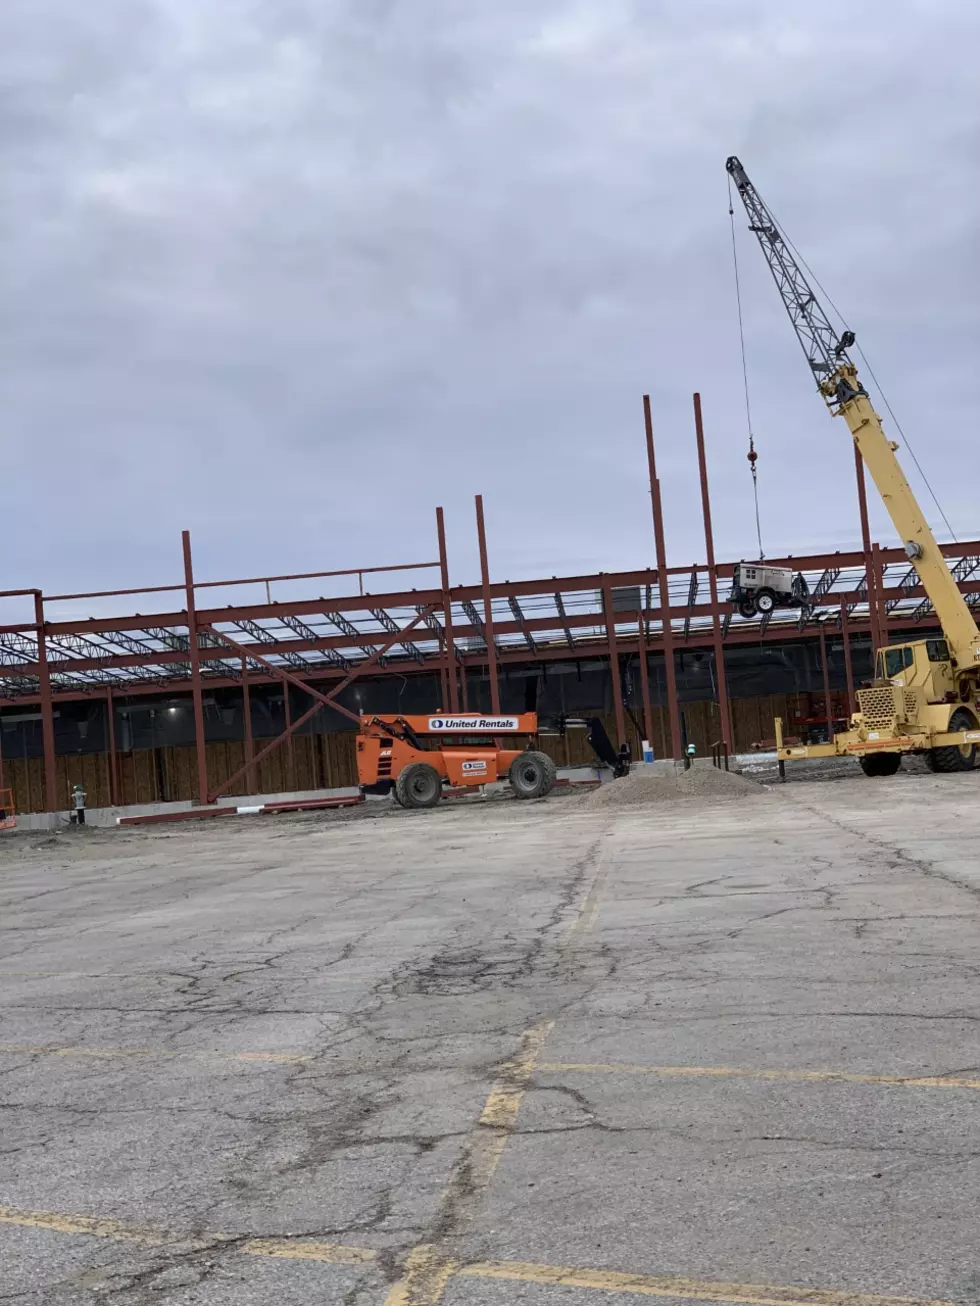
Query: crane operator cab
{"type": "Point", "coordinates": [757, 589]}
{"type": "Point", "coordinates": [924, 664]}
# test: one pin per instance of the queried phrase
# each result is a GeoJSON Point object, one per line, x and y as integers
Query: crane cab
{"type": "Point", "coordinates": [923, 664]}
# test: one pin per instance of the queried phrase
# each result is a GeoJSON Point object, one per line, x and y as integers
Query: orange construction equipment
{"type": "Point", "coordinates": [414, 757]}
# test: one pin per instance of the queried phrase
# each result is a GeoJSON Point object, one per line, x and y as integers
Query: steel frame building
{"type": "Point", "coordinates": [322, 644]}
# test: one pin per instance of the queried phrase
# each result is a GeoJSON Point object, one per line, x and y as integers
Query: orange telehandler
{"type": "Point", "coordinates": [414, 756]}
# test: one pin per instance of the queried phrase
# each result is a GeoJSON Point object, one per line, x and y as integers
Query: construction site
{"type": "Point", "coordinates": [569, 939]}
{"type": "Point", "coordinates": [227, 691]}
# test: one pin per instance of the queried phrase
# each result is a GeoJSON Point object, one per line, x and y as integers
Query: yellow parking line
{"type": "Point", "coordinates": [424, 1279]}
{"type": "Point", "coordinates": [427, 1268]}
{"type": "Point", "coordinates": [93, 1226]}
{"type": "Point", "coordinates": [745, 1072]}
{"type": "Point", "coordinates": [290, 1250]}
{"type": "Point", "coordinates": [44, 1050]}
{"type": "Point", "coordinates": [651, 1285]}
{"type": "Point", "coordinates": [121, 1231]}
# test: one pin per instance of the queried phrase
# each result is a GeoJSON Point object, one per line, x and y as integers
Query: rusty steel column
{"type": "Point", "coordinates": [617, 683]}
{"type": "Point", "coordinates": [709, 543]}
{"type": "Point", "coordinates": [487, 610]}
{"type": "Point", "coordinates": [882, 614]}
{"type": "Point", "coordinates": [196, 687]}
{"type": "Point", "coordinates": [673, 708]}
{"type": "Point", "coordinates": [869, 571]}
{"type": "Point", "coordinates": [247, 723]}
{"type": "Point", "coordinates": [827, 703]}
{"type": "Point", "coordinates": [47, 711]}
{"type": "Point", "coordinates": [290, 742]}
{"type": "Point", "coordinates": [644, 679]}
{"type": "Point", "coordinates": [447, 615]}
{"type": "Point", "coordinates": [110, 714]}
{"type": "Point", "coordinates": [848, 669]}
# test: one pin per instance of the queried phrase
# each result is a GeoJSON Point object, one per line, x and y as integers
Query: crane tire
{"type": "Point", "coordinates": [419, 785]}
{"type": "Point", "coordinates": [877, 764]}
{"type": "Point", "coordinates": [532, 775]}
{"type": "Point", "coordinates": [954, 758]}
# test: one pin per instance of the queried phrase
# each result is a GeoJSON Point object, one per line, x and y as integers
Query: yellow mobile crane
{"type": "Point", "coordinates": [925, 697]}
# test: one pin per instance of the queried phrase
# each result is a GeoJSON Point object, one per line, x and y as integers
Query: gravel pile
{"type": "Point", "coordinates": [645, 787]}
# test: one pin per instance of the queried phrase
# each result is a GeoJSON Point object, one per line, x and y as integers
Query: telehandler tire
{"type": "Point", "coordinates": [532, 775]}
{"type": "Point", "coordinates": [954, 758]}
{"type": "Point", "coordinates": [419, 785]}
{"type": "Point", "coordinates": [880, 763]}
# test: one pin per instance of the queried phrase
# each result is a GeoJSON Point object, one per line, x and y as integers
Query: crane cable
{"type": "Point", "coordinates": [864, 360]}
{"type": "Point", "coordinates": [752, 455]}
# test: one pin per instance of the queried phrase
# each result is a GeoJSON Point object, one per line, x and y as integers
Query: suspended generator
{"type": "Point", "coordinates": [758, 589]}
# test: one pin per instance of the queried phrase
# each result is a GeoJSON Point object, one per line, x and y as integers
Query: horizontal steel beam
{"type": "Point", "coordinates": [568, 622]}
{"type": "Point", "coordinates": [596, 648]}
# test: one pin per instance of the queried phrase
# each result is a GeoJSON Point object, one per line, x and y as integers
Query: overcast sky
{"type": "Point", "coordinates": [292, 272]}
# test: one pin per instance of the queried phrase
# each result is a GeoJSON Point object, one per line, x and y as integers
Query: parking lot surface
{"type": "Point", "coordinates": [717, 1050]}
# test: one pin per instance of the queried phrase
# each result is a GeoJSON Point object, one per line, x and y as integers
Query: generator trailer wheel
{"type": "Point", "coordinates": [955, 757]}
{"type": "Point", "coordinates": [880, 763]}
{"type": "Point", "coordinates": [532, 775]}
{"type": "Point", "coordinates": [746, 609]}
{"type": "Point", "coordinates": [765, 601]}
{"type": "Point", "coordinates": [419, 785]}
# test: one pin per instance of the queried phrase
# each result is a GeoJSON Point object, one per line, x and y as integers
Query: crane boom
{"type": "Point", "coordinates": [838, 382]}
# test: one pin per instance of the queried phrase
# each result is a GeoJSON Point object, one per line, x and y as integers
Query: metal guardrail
{"type": "Point", "coordinates": [719, 754]}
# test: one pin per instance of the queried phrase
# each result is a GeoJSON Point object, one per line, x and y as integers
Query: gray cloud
{"type": "Point", "coordinates": [291, 274]}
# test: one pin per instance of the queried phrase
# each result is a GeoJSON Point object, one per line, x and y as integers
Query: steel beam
{"type": "Point", "coordinates": [115, 792]}
{"type": "Point", "coordinates": [692, 594]}
{"type": "Point", "coordinates": [617, 684]}
{"type": "Point", "coordinates": [848, 670]}
{"type": "Point", "coordinates": [196, 689]}
{"type": "Point", "coordinates": [487, 609]}
{"type": "Point", "coordinates": [388, 623]}
{"type": "Point", "coordinates": [247, 730]}
{"type": "Point", "coordinates": [330, 699]}
{"type": "Point", "coordinates": [641, 641]}
{"type": "Point", "coordinates": [673, 707]}
{"type": "Point", "coordinates": [447, 613]}
{"type": "Point", "coordinates": [827, 701]}
{"type": "Point", "coordinates": [721, 678]}
{"type": "Point", "coordinates": [515, 608]}
{"type": "Point", "coordinates": [560, 605]}
{"type": "Point", "coordinates": [47, 711]}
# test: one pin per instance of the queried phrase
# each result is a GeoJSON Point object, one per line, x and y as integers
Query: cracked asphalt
{"type": "Point", "coordinates": [306, 1029]}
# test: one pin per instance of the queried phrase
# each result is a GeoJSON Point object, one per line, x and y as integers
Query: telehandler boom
{"type": "Point", "coordinates": [925, 697]}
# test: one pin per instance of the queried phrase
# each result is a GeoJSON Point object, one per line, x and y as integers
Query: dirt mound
{"type": "Point", "coordinates": [646, 786]}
